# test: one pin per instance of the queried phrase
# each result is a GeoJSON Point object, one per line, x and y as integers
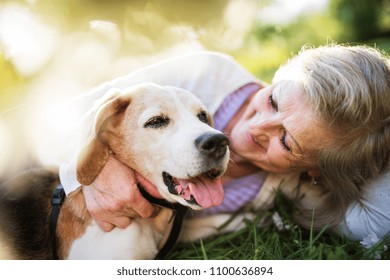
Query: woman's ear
{"type": "Point", "coordinates": [96, 152]}
{"type": "Point", "coordinates": [315, 175]}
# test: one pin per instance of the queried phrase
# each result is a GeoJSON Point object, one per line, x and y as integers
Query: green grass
{"type": "Point", "coordinates": [268, 243]}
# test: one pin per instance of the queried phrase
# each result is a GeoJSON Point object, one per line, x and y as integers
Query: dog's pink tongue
{"type": "Point", "coordinates": [207, 192]}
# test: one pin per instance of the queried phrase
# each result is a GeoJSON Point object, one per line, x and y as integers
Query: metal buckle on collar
{"type": "Point", "coordinates": [57, 199]}
{"type": "Point", "coordinates": [58, 196]}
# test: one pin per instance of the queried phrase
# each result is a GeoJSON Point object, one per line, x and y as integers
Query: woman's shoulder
{"type": "Point", "coordinates": [206, 55]}
{"type": "Point", "coordinates": [379, 186]}
{"type": "Point", "coordinates": [204, 61]}
{"type": "Point", "coordinates": [375, 197]}
{"type": "Point", "coordinates": [371, 215]}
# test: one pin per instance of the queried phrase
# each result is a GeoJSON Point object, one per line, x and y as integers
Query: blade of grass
{"type": "Point", "coordinates": [203, 250]}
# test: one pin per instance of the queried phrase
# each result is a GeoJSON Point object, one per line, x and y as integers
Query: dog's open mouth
{"type": "Point", "coordinates": [204, 190]}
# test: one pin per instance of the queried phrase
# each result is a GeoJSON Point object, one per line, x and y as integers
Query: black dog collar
{"type": "Point", "coordinates": [180, 211]}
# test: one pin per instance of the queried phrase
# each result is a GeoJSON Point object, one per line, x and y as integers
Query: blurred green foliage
{"type": "Point", "coordinates": [343, 21]}
{"type": "Point", "coordinates": [275, 44]}
{"type": "Point", "coordinates": [362, 20]}
{"type": "Point", "coordinates": [265, 47]}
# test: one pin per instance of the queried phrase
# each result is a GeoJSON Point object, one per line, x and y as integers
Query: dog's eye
{"type": "Point", "coordinates": [202, 116]}
{"type": "Point", "coordinates": [157, 122]}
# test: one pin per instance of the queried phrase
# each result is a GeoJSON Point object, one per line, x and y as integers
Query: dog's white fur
{"type": "Point", "coordinates": [141, 240]}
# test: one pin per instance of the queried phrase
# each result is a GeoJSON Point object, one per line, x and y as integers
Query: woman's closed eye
{"type": "Point", "coordinates": [283, 137]}
{"type": "Point", "coordinates": [283, 141]}
{"type": "Point", "coordinates": [272, 102]}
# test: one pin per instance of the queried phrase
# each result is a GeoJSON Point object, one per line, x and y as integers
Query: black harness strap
{"type": "Point", "coordinates": [57, 198]}
{"type": "Point", "coordinates": [180, 211]}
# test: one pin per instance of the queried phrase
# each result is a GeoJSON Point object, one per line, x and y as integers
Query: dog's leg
{"type": "Point", "coordinates": [286, 183]}
{"type": "Point", "coordinates": [200, 228]}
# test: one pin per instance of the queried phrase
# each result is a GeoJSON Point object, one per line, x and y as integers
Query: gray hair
{"type": "Point", "coordinates": [349, 87]}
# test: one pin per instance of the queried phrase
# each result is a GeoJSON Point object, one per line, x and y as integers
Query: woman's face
{"type": "Point", "coordinates": [278, 130]}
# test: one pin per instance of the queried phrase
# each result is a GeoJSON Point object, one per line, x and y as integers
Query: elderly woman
{"type": "Point", "coordinates": [326, 115]}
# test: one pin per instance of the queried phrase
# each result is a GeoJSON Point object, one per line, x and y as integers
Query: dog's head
{"type": "Point", "coordinates": [165, 134]}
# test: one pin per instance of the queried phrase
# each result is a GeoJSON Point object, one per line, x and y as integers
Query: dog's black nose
{"type": "Point", "coordinates": [213, 145]}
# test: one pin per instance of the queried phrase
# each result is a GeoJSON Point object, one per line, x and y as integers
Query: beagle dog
{"type": "Point", "coordinates": [162, 132]}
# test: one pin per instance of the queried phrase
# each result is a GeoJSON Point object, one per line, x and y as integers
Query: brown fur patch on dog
{"type": "Point", "coordinates": [72, 222]}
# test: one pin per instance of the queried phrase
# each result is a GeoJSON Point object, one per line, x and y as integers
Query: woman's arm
{"type": "Point", "coordinates": [115, 200]}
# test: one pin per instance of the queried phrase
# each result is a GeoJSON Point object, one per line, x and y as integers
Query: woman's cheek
{"type": "Point", "coordinates": [257, 101]}
{"type": "Point", "coordinates": [249, 112]}
{"type": "Point", "coordinates": [277, 158]}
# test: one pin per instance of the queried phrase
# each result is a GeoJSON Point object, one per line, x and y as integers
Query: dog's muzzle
{"type": "Point", "coordinates": [205, 188]}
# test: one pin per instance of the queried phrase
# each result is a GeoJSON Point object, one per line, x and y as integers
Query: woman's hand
{"type": "Point", "coordinates": [114, 199]}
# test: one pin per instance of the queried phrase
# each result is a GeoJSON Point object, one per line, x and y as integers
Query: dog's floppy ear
{"type": "Point", "coordinates": [95, 154]}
